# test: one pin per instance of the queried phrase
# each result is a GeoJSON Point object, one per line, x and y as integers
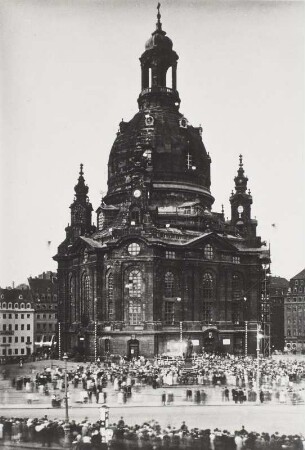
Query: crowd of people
{"type": "Point", "coordinates": [150, 435]}
{"type": "Point", "coordinates": [234, 377]}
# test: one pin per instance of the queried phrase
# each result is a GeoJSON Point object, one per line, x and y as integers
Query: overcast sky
{"type": "Point", "coordinates": [69, 72]}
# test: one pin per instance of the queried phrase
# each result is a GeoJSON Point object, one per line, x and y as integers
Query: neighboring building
{"type": "Point", "coordinates": [16, 323]}
{"type": "Point", "coordinates": [278, 288]}
{"type": "Point", "coordinates": [44, 294]}
{"type": "Point", "coordinates": [162, 273]}
{"type": "Point", "coordinates": [295, 314]}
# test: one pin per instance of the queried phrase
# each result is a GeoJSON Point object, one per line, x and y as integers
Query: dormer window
{"type": "Point", "coordinates": [170, 254]}
{"type": "Point", "coordinates": [149, 120]}
{"type": "Point", "coordinates": [183, 122]}
{"type": "Point", "coordinates": [208, 251]}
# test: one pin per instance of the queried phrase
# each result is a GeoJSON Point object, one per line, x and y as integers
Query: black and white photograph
{"type": "Point", "coordinates": [152, 268]}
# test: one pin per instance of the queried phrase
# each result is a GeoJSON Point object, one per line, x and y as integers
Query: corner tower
{"type": "Point", "coordinates": [241, 201]}
{"type": "Point", "coordinates": [81, 211]}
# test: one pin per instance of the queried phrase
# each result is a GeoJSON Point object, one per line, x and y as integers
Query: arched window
{"type": "Point", "coordinates": [22, 305]}
{"type": "Point", "coordinates": [135, 287]}
{"type": "Point", "coordinates": [237, 299]}
{"type": "Point", "coordinates": [109, 304]}
{"type": "Point", "coordinates": [208, 291]}
{"type": "Point", "coordinates": [72, 298]}
{"type": "Point", "coordinates": [236, 287]}
{"type": "Point", "coordinates": [208, 286]}
{"type": "Point", "coordinates": [85, 298]}
{"type": "Point", "coordinates": [28, 305]}
{"type": "Point", "coordinates": [135, 283]}
{"type": "Point", "coordinates": [4, 305]}
{"type": "Point", "coordinates": [16, 305]}
{"type": "Point", "coordinates": [10, 306]}
{"type": "Point", "coordinates": [169, 284]}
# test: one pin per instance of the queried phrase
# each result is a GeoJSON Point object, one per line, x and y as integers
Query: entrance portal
{"type": "Point", "coordinates": [133, 348]}
{"type": "Point", "coordinates": [210, 340]}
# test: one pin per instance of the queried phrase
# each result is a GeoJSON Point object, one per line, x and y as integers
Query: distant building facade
{"type": "Point", "coordinates": [44, 294]}
{"type": "Point", "coordinates": [295, 314]}
{"type": "Point", "coordinates": [16, 323]}
{"type": "Point", "coordinates": [161, 272]}
{"type": "Point", "coordinates": [278, 288]}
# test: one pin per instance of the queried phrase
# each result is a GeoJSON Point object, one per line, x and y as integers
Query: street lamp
{"type": "Point", "coordinates": [246, 338]}
{"type": "Point", "coordinates": [178, 299]}
{"type": "Point", "coordinates": [59, 340]}
{"type": "Point", "coordinates": [66, 426]}
{"type": "Point", "coordinates": [95, 330]}
{"type": "Point", "coordinates": [258, 337]}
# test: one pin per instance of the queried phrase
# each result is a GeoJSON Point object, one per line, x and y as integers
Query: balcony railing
{"type": "Point", "coordinates": [158, 89]}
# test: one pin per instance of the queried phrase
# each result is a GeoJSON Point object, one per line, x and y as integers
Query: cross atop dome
{"type": "Point", "coordinates": [159, 24]}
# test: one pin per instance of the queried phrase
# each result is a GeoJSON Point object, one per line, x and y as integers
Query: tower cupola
{"type": "Point", "coordinates": [159, 70]}
{"type": "Point", "coordinates": [81, 190]}
{"type": "Point", "coordinates": [81, 210]}
{"type": "Point", "coordinates": [241, 180]}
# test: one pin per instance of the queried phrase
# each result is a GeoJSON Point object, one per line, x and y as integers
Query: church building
{"type": "Point", "coordinates": [161, 273]}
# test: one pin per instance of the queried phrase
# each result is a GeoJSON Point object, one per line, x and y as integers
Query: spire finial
{"type": "Point", "coordinates": [81, 169]}
{"type": "Point", "coordinates": [240, 160]}
{"type": "Point", "coordinates": [159, 24]}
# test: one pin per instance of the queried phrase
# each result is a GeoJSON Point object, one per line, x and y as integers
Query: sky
{"type": "Point", "coordinates": [69, 72]}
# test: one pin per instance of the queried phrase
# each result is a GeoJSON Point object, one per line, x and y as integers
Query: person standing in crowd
{"type": "Point", "coordinates": [261, 396]}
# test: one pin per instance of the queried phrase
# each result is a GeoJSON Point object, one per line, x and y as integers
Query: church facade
{"type": "Point", "coordinates": [161, 273]}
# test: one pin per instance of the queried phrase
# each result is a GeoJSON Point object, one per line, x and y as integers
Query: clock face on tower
{"type": "Point", "coordinates": [137, 193]}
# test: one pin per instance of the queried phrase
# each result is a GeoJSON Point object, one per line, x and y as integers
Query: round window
{"type": "Point", "coordinates": [134, 249]}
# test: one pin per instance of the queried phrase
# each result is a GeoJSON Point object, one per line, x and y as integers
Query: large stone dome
{"type": "Point", "coordinates": [160, 146]}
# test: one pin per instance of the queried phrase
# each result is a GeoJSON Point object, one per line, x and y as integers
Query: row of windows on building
{"type": "Point", "coordinates": [15, 316]}
{"type": "Point", "coordinates": [295, 299]}
{"type": "Point", "coordinates": [44, 337]}
{"type": "Point", "coordinates": [134, 249]}
{"type": "Point", "coordinates": [45, 307]}
{"type": "Point", "coordinates": [299, 332]}
{"type": "Point", "coordinates": [136, 313]}
{"type": "Point", "coordinates": [134, 287]}
{"type": "Point", "coordinates": [17, 339]}
{"type": "Point", "coordinates": [5, 305]}
{"type": "Point", "coordinates": [16, 351]}
{"type": "Point", "coordinates": [17, 327]}
{"type": "Point", "coordinates": [44, 326]}
{"type": "Point", "coordinates": [48, 297]}
{"type": "Point", "coordinates": [44, 316]}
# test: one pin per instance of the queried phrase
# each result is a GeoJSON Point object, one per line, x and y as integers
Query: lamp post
{"type": "Point", "coordinates": [66, 426]}
{"type": "Point", "coordinates": [178, 299]}
{"type": "Point", "coordinates": [95, 330]}
{"type": "Point", "coordinates": [258, 337]}
{"type": "Point", "coordinates": [246, 338]}
{"type": "Point", "coordinates": [59, 340]}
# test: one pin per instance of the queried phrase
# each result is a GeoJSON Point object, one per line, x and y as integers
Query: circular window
{"type": "Point", "coordinates": [134, 249]}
